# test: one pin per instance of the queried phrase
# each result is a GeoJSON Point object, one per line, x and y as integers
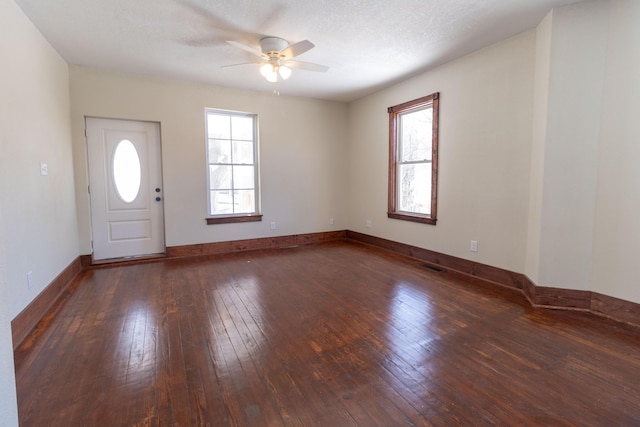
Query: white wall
{"type": "Point", "coordinates": [38, 213]}
{"type": "Point", "coordinates": [573, 113]}
{"type": "Point", "coordinates": [617, 210]}
{"type": "Point", "coordinates": [302, 153]}
{"type": "Point", "coordinates": [486, 106]}
{"type": "Point", "coordinates": [41, 210]}
{"type": "Point", "coordinates": [538, 139]}
{"type": "Point", "coordinates": [587, 130]}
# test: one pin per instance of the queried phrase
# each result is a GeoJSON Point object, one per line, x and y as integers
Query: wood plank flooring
{"type": "Point", "coordinates": [335, 334]}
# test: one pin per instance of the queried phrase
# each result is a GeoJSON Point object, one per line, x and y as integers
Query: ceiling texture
{"type": "Point", "coordinates": [368, 44]}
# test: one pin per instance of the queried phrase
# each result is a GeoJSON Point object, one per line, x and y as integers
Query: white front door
{"type": "Point", "coordinates": [125, 186]}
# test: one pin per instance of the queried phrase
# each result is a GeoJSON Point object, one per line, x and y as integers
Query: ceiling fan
{"type": "Point", "coordinates": [277, 57]}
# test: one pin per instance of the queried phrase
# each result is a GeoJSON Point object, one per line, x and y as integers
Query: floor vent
{"type": "Point", "coordinates": [289, 246]}
{"type": "Point", "coordinates": [432, 268]}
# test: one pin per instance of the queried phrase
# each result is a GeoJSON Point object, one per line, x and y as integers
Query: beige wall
{"type": "Point", "coordinates": [42, 236]}
{"type": "Point", "coordinates": [587, 130]}
{"type": "Point", "coordinates": [572, 126]}
{"type": "Point", "coordinates": [302, 153]}
{"type": "Point", "coordinates": [38, 230]}
{"type": "Point", "coordinates": [616, 235]}
{"type": "Point", "coordinates": [486, 106]}
{"type": "Point", "coordinates": [538, 138]}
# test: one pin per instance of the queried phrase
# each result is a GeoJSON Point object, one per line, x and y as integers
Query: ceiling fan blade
{"type": "Point", "coordinates": [297, 49]}
{"type": "Point", "coordinates": [243, 63]}
{"type": "Point", "coordinates": [225, 28]}
{"type": "Point", "coordinates": [308, 66]}
{"type": "Point", "coordinates": [246, 48]}
{"type": "Point", "coordinates": [203, 41]}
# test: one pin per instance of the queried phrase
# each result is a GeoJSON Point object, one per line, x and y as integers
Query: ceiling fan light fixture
{"type": "Point", "coordinates": [269, 72]}
{"type": "Point", "coordinates": [273, 77]}
{"type": "Point", "coordinates": [266, 70]}
{"type": "Point", "coordinates": [284, 71]}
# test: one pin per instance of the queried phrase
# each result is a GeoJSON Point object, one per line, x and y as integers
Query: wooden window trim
{"type": "Point", "coordinates": [394, 112]}
{"type": "Point", "coordinates": [231, 219]}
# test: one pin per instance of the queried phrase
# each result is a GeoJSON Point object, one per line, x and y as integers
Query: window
{"type": "Point", "coordinates": [232, 166]}
{"type": "Point", "coordinates": [413, 160]}
{"type": "Point", "coordinates": [127, 171]}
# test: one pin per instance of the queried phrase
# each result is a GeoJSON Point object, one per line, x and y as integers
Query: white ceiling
{"type": "Point", "coordinates": [368, 44]}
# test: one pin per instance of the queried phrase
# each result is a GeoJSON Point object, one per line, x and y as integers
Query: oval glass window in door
{"type": "Point", "coordinates": [126, 170]}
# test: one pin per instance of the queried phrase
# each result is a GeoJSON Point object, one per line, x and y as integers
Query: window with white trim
{"type": "Point", "coordinates": [232, 166]}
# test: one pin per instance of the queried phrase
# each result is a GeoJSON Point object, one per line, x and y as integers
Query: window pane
{"type": "Point", "coordinates": [414, 188]}
{"type": "Point", "coordinates": [221, 202]}
{"type": "Point", "coordinates": [243, 152]}
{"type": "Point", "coordinates": [415, 135]}
{"type": "Point", "coordinates": [219, 126]}
{"type": "Point", "coordinates": [243, 177]}
{"type": "Point", "coordinates": [242, 128]}
{"type": "Point", "coordinates": [219, 177]}
{"type": "Point", "coordinates": [127, 171]}
{"type": "Point", "coordinates": [244, 201]}
{"type": "Point", "coordinates": [219, 151]}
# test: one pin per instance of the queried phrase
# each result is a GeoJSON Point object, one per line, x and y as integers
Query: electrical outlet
{"type": "Point", "coordinates": [273, 225]}
{"type": "Point", "coordinates": [369, 224]}
{"type": "Point", "coordinates": [474, 246]}
{"type": "Point", "coordinates": [331, 221]}
{"type": "Point", "coordinates": [29, 279]}
{"type": "Point", "coordinates": [44, 170]}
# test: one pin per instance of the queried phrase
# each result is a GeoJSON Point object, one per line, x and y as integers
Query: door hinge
{"type": "Point", "coordinates": [89, 189]}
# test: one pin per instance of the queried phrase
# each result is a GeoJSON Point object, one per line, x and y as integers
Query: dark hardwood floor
{"type": "Point", "coordinates": [336, 334]}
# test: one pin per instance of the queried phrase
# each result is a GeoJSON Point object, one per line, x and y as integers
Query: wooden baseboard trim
{"type": "Point", "coordinates": [615, 308]}
{"type": "Point", "coordinates": [27, 319]}
{"type": "Point", "coordinates": [86, 260]}
{"type": "Point", "coordinates": [541, 296]}
{"type": "Point", "coordinates": [538, 296]}
{"type": "Point", "coordinates": [252, 244]}
{"type": "Point", "coordinates": [447, 262]}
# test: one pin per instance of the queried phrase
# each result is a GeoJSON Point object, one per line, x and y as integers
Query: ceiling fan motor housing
{"type": "Point", "coordinates": [273, 45]}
